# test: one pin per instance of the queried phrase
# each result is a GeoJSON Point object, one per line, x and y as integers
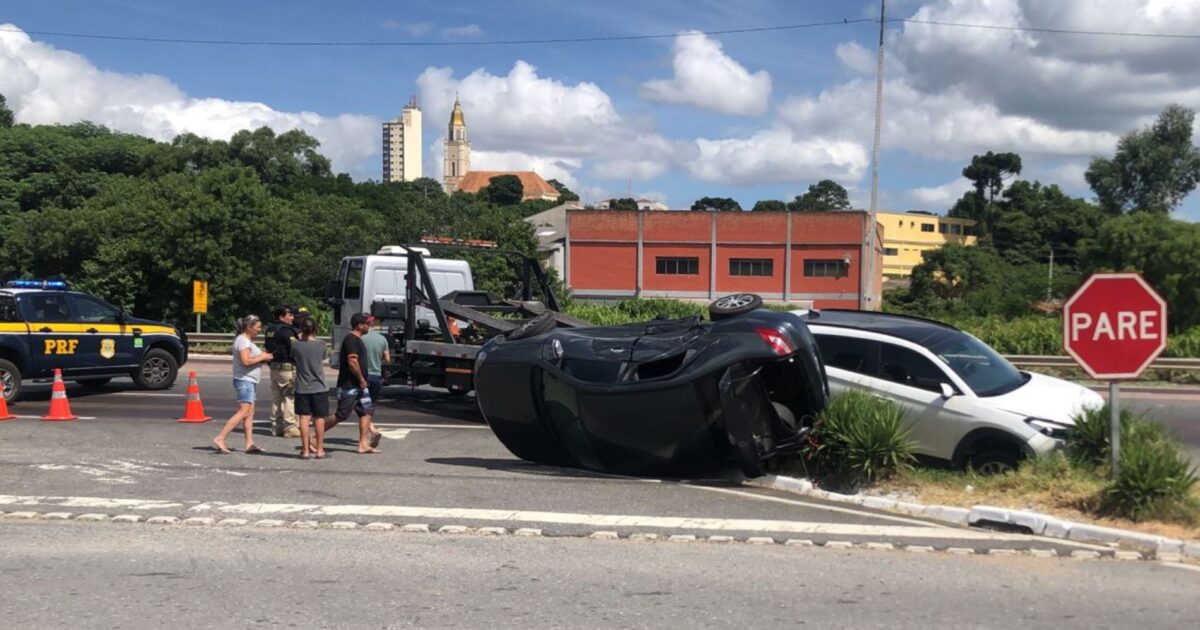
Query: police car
{"type": "Point", "coordinates": [44, 326]}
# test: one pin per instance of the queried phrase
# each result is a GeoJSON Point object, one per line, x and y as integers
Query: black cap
{"type": "Point", "coordinates": [359, 319]}
{"type": "Point", "coordinates": [284, 310]}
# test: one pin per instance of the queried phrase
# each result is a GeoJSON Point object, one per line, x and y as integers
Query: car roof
{"type": "Point", "coordinates": [919, 330]}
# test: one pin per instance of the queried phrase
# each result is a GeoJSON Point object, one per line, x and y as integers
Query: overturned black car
{"type": "Point", "coordinates": [666, 397]}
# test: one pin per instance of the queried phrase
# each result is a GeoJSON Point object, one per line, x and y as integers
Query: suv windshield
{"type": "Point", "coordinates": [985, 372]}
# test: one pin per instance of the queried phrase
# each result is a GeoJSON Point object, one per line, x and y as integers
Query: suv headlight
{"type": "Point", "coordinates": [1049, 428]}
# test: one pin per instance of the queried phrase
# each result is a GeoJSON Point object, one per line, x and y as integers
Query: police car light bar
{"type": "Point", "coordinates": [37, 284]}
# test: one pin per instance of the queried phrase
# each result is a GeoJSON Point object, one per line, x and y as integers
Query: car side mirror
{"type": "Point", "coordinates": [947, 391]}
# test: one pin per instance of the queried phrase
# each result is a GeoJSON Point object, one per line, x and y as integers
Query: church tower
{"type": "Point", "coordinates": [458, 150]}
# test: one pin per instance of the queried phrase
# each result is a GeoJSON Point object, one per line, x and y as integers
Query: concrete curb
{"type": "Point", "coordinates": [645, 537]}
{"type": "Point", "coordinates": [987, 516]}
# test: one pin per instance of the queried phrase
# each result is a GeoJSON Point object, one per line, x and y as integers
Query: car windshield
{"type": "Point", "coordinates": [985, 372]}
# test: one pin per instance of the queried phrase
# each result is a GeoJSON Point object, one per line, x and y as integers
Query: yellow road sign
{"type": "Point", "coordinates": [200, 296]}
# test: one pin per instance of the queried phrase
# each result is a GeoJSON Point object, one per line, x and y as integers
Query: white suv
{"type": "Point", "coordinates": [965, 403]}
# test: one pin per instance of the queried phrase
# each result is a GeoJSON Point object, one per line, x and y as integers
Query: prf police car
{"type": "Point", "coordinates": [44, 326]}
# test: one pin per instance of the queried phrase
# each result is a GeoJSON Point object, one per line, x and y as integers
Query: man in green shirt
{"type": "Point", "coordinates": [377, 353]}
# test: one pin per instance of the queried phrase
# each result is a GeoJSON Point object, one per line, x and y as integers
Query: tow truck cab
{"type": "Point", "coordinates": [366, 280]}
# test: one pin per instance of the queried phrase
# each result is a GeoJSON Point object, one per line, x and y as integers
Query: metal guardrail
{"type": "Point", "coordinates": [1024, 360]}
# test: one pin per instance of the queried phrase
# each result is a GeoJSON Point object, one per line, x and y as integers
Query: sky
{"type": "Point", "coordinates": [752, 115]}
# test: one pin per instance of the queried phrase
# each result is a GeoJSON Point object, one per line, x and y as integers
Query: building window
{"type": "Point", "coordinates": [664, 266]}
{"type": "Point", "coordinates": [926, 227]}
{"type": "Point", "coordinates": [956, 228]}
{"type": "Point", "coordinates": [944, 228]}
{"type": "Point", "coordinates": [824, 269]}
{"type": "Point", "coordinates": [891, 251]}
{"type": "Point", "coordinates": [751, 267]}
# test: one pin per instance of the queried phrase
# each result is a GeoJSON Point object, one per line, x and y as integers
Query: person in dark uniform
{"type": "Point", "coordinates": [283, 374]}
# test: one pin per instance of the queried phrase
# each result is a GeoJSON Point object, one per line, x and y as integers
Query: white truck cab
{"type": "Point", "coordinates": [363, 280]}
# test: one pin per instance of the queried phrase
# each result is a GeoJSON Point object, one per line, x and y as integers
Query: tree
{"type": "Point", "coordinates": [624, 203]}
{"type": "Point", "coordinates": [769, 205]}
{"type": "Point", "coordinates": [1032, 219]}
{"type": "Point", "coordinates": [564, 193]}
{"type": "Point", "coordinates": [1165, 251]}
{"type": "Point", "coordinates": [1153, 169]}
{"type": "Point", "coordinates": [987, 174]}
{"type": "Point", "coordinates": [505, 190]}
{"type": "Point", "coordinates": [725, 204]}
{"type": "Point", "coordinates": [823, 196]}
{"type": "Point", "coordinates": [6, 114]}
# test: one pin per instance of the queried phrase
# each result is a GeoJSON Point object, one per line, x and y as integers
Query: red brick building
{"type": "Point", "coordinates": [812, 258]}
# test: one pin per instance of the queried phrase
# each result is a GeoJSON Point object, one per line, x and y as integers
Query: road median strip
{"type": "Point", "coordinates": [985, 516]}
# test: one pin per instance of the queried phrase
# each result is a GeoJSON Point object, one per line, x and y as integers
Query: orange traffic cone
{"type": "Point", "coordinates": [60, 409]}
{"type": "Point", "coordinates": [193, 411]}
{"type": "Point", "coordinates": [4, 414]}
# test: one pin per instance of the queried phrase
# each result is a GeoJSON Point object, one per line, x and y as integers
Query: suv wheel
{"type": "Point", "coordinates": [995, 461]}
{"type": "Point", "coordinates": [157, 370]}
{"type": "Point", "coordinates": [733, 305]}
{"type": "Point", "coordinates": [10, 380]}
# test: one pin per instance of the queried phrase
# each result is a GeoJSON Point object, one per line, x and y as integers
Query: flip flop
{"type": "Point", "coordinates": [304, 456]}
{"type": "Point", "coordinates": [370, 451]}
{"type": "Point", "coordinates": [221, 451]}
{"type": "Point", "coordinates": [374, 440]}
{"type": "Point", "coordinates": [254, 450]}
{"type": "Point", "coordinates": [320, 455]}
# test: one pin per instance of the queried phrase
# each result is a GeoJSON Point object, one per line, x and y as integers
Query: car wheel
{"type": "Point", "coordinates": [996, 461]}
{"type": "Point", "coordinates": [539, 325]}
{"type": "Point", "coordinates": [733, 305]}
{"type": "Point", "coordinates": [94, 383]}
{"type": "Point", "coordinates": [157, 371]}
{"type": "Point", "coordinates": [10, 380]}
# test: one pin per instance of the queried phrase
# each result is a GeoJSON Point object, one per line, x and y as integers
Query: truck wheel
{"type": "Point", "coordinates": [157, 371]}
{"type": "Point", "coordinates": [10, 380]}
{"type": "Point", "coordinates": [733, 305]}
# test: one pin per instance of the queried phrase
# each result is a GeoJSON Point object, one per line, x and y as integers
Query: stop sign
{"type": "Point", "coordinates": [1115, 325]}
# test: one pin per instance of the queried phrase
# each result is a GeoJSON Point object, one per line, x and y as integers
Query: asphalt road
{"type": "Point", "coordinates": [148, 577]}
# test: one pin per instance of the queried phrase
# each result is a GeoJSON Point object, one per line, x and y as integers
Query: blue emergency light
{"type": "Point", "coordinates": [60, 285]}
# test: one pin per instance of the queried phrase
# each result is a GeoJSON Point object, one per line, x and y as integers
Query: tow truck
{"type": "Point", "coordinates": [436, 324]}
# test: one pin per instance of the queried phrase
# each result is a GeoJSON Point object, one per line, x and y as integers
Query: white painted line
{"type": "Point", "coordinates": [90, 502]}
{"type": "Point", "coordinates": [397, 434]}
{"type": "Point", "coordinates": [407, 425]}
{"type": "Point", "coordinates": [820, 506]}
{"type": "Point", "coordinates": [1180, 565]}
{"type": "Point", "coordinates": [19, 417]}
{"type": "Point", "coordinates": [150, 394]}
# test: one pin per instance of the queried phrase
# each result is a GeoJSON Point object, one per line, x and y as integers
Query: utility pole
{"type": "Point", "coordinates": [1050, 281]}
{"type": "Point", "coordinates": [867, 264]}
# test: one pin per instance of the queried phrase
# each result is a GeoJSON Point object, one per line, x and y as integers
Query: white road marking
{"type": "Point", "coordinates": [141, 394]}
{"type": "Point", "coordinates": [397, 434]}
{"type": "Point", "coordinates": [39, 417]}
{"type": "Point", "coordinates": [1180, 565]}
{"type": "Point", "coordinates": [819, 506]}
{"type": "Point", "coordinates": [407, 425]}
{"type": "Point", "coordinates": [516, 517]}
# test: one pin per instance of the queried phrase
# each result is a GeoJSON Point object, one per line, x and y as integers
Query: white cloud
{"type": "Point", "coordinates": [533, 120]}
{"type": "Point", "coordinates": [707, 78]}
{"type": "Point", "coordinates": [776, 155]}
{"type": "Point", "coordinates": [857, 58]}
{"type": "Point", "coordinates": [416, 29]}
{"type": "Point", "coordinates": [467, 30]}
{"type": "Point", "coordinates": [939, 198]}
{"type": "Point", "coordinates": [45, 85]}
{"type": "Point", "coordinates": [549, 168]}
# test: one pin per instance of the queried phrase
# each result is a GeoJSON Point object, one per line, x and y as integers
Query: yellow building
{"type": "Point", "coordinates": [907, 234]}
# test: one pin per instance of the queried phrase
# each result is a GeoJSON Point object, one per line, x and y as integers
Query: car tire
{"type": "Point", "coordinates": [94, 383]}
{"type": "Point", "coordinates": [733, 305]}
{"type": "Point", "coordinates": [10, 380]}
{"type": "Point", "coordinates": [157, 370]}
{"type": "Point", "coordinates": [995, 461]}
{"type": "Point", "coordinates": [539, 325]}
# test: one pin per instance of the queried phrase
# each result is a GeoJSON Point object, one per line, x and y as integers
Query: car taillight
{"type": "Point", "coordinates": [777, 341]}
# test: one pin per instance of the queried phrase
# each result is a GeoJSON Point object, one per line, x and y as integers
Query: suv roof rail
{"type": "Point", "coordinates": [915, 318]}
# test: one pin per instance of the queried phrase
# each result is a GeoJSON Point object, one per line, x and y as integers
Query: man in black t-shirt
{"type": "Point", "coordinates": [283, 373]}
{"type": "Point", "coordinates": [352, 384]}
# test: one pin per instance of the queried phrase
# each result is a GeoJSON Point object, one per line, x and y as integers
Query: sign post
{"type": "Point", "coordinates": [1114, 326]}
{"type": "Point", "coordinates": [199, 300]}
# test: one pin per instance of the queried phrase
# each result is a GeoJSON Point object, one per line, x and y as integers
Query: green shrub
{"type": "Point", "coordinates": [1155, 482]}
{"type": "Point", "coordinates": [859, 438]}
{"type": "Point", "coordinates": [1088, 439]}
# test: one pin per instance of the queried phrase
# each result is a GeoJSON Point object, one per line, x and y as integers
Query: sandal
{"type": "Point", "coordinates": [253, 449]}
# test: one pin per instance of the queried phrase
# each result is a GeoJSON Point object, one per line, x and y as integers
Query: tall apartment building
{"type": "Point", "coordinates": [457, 160]}
{"type": "Point", "coordinates": [402, 145]}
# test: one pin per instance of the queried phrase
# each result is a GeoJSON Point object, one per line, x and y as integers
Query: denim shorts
{"type": "Point", "coordinates": [245, 391]}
